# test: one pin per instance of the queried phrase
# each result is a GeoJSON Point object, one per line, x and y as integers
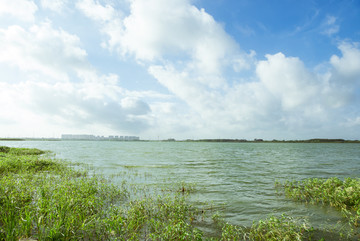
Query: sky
{"type": "Point", "coordinates": [184, 69]}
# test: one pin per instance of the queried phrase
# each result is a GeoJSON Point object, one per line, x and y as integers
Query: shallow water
{"type": "Point", "coordinates": [238, 177]}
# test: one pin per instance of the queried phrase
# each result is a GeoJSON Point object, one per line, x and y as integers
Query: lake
{"type": "Point", "coordinates": [238, 178]}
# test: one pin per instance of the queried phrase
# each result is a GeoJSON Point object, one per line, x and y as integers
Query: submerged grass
{"type": "Point", "coordinates": [341, 194]}
{"type": "Point", "coordinates": [46, 199]}
{"type": "Point", "coordinates": [272, 228]}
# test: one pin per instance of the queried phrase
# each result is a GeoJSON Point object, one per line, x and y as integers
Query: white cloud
{"type": "Point", "coordinates": [330, 27]}
{"type": "Point", "coordinates": [59, 87]}
{"type": "Point", "coordinates": [244, 61]}
{"type": "Point", "coordinates": [342, 81]}
{"type": "Point", "coordinates": [215, 89]}
{"type": "Point", "coordinates": [96, 11]}
{"type": "Point", "coordinates": [284, 96]}
{"type": "Point", "coordinates": [161, 29]}
{"type": "Point", "coordinates": [187, 51]}
{"type": "Point", "coordinates": [23, 10]}
{"type": "Point", "coordinates": [54, 5]}
{"type": "Point", "coordinates": [78, 105]}
{"type": "Point", "coordinates": [287, 79]}
{"type": "Point", "coordinates": [158, 30]}
{"type": "Point", "coordinates": [110, 20]}
{"type": "Point", "coordinates": [347, 66]}
{"type": "Point", "coordinates": [217, 112]}
{"type": "Point", "coordinates": [42, 49]}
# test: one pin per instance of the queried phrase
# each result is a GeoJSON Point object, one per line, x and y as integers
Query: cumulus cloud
{"type": "Point", "coordinates": [58, 86]}
{"type": "Point", "coordinates": [96, 11]}
{"type": "Point", "coordinates": [41, 48]}
{"type": "Point", "coordinates": [77, 105]}
{"type": "Point", "coordinates": [287, 79]}
{"type": "Point", "coordinates": [214, 87]}
{"type": "Point", "coordinates": [347, 67]}
{"type": "Point", "coordinates": [158, 29]}
{"type": "Point", "coordinates": [23, 10]}
{"type": "Point", "coordinates": [190, 54]}
{"type": "Point", "coordinates": [73, 102]}
{"type": "Point", "coordinates": [54, 5]}
{"type": "Point", "coordinates": [284, 95]}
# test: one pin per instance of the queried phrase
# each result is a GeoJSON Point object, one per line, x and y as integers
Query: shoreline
{"type": "Point", "coordinates": [315, 140]}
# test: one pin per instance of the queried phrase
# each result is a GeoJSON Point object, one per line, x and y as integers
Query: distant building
{"type": "Point", "coordinates": [131, 138]}
{"type": "Point", "coordinates": [92, 137]}
{"type": "Point", "coordinates": [77, 137]}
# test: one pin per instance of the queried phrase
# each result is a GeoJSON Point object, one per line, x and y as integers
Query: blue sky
{"type": "Point", "coordinates": [180, 69]}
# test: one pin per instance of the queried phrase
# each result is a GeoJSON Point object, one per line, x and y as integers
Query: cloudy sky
{"type": "Point", "coordinates": [282, 69]}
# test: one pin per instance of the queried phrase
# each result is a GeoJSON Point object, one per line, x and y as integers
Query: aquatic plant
{"type": "Point", "coordinates": [341, 194]}
{"type": "Point", "coordinates": [272, 228]}
{"type": "Point", "coordinates": [279, 228]}
{"type": "Point", "coordinates": [344, 195]}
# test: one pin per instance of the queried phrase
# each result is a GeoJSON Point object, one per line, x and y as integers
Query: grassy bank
{"type": "Point", "coordinates": [46, 199]}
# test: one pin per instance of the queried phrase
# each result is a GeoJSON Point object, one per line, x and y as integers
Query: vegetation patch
{"type": "Point", "coordinates": [341, 194]}
{"type": "Point", "coordinates": [273, 228]}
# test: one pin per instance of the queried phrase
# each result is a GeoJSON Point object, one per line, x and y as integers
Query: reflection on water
{"type": "Point", "coordinates": [239, 175]}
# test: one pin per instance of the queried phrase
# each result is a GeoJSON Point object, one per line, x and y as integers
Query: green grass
{"type": "Point", "coordinates": [21, 151]}
{"type": "Point", "coordinates": [341, 194]}
{"type": "Point", "coordinates": [272, 228]}
{"type": "Point", "coordinates": [46, 199]}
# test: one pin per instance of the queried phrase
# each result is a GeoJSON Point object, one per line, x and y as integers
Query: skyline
{"type": "Point", "coordinates": [180, 69]}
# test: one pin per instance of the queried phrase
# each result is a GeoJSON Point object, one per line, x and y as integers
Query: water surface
{"type": "Point", "coordinates": [239, 177]}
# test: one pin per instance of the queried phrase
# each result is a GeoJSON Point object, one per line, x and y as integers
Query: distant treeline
{"type": "Point", "coordinates": [12, 139]}
{"type": "Point", "coordinates": [321, 140]}
{"type": "Point", "coordinates": [218, 140]}
{"type": "Point", "coordinates": [316, 140]}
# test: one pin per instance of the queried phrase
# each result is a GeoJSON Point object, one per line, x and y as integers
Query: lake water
{"type": "Point", "coordinates": [239, 177]}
